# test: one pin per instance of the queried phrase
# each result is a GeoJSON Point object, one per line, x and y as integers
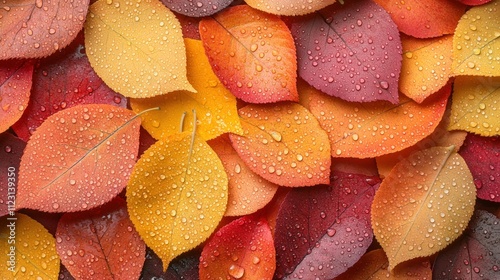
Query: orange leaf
{"type": "Point", "coordinates": [423, 205]}
{"type": "Point", "coordinates": [243, 249]}
{"type": "Point", "coordinates": [289, 7]}
{"type": "Point", "coordinates": [15, 85]}
{"type": "Point", "coordinates": [248, 192]}
{"type": "Point", "coordinates": [378, 128]}
{"type": "Point", "coordinates": [426, 66]}
{"type": "Point", "coordinates": [284, 144]}
{"type": "Point", "coordinates": [101, 243]}
{"type": "Point", "coordinates": [252, 53]}
{"type": "Point", "coordinates": [79, 158]}
{"type": "Point", "coordinates": [39, 28]}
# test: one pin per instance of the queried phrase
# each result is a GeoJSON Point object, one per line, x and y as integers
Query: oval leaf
{"type": "Point", "coordinates": [350, 51]}
{"type": "Point", "coordinates": [365, 131]}
{"type": "Point", "coordinates": [39, 28]}
{"type": "Point", "coordinates": [252, 53]}
{"type": "Point", "coordinates": [474, 107]}
{"type": "Point", "coordinates": [11, 149]}
{"type": "Point", "coordinates": [177, 195]}
{"type": "Point", "coordinates": [214, 104]}
{"type": "Point", "coordinates": [27, 249]}
{"type": "Point", "coordinates": [289, 7]}
{"type": "Point", "coordinates": [284, 144]}
{"type": "Point", "coordinates": [430, 198]}
{"type": "Point", "coordinates": [131, 61]}
{"type": "Point", "coordinates": [101, 243]}
{"type": "Point", "coordinates": [200, 8]}
{"type": "Point", "coordinates": [242, 248]}
{"type": "Point", "coordinates": [476, 42]}
{"type": "Point", "coordinates": [79, 158]}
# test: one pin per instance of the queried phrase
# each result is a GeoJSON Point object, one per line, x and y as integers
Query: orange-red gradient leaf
{"type": "Point", "coordinates": [424, 18]}
{"type": "Point", "coordinates": [369, 130]}
{"type": "Point", "coordinates": [252, 53]}
{"type": "Point", "coordinates": [426, 66]}
{"type": "Point", "coordinates": [101, 243]}
{"type": "Point", "coordinates": [248, 192]}
{"type": "Point", "coordinates": [79, 158]}
{"type": "Point", "coordinates": [289, 7]}
{"type": "Point", "coordinates": [284, 144]}
{"type": "Point", "coordinates": [423, 205]}
{"type": "Point", "coordinates": [243, 249]}
{"type": "Point", "coordinates": [15, 86]}
{"type": "Point", "coordinates": [39, 28]}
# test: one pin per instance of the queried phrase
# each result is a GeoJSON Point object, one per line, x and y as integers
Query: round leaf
{"type": "Point", "coordinates": [199, 8]}
{"type": "Point", "coordinates": [289, 7]}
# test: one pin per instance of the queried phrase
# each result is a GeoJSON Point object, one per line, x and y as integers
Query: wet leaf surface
{"type": "Point", "coordinates": [289, 7]}
{"type": "Point", "coordinates": [11, 150]}
{"type": "Point", "coordinates": [199, 8]}
{"type": "Point", "coordinates": [184, 267]}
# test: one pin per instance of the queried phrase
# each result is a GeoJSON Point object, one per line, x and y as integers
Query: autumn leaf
{"type": "Point", "coordinates": [289, 7]}
{"type": "Point", "coordinates": [424, 18]}
{"type": "Point", "coordinates": [252, 53]}
{"type": "Point", "coordinates": [322, 231]}
{"type": "Point", "coordinates": [184, 267]}
{"type": "Point", "coordinates": [475, 255]}
{"type": "Point", "coordinates": [15, 84]}
{"type": "Point", "coordinates": [215, 106]}
{"type": "Point", "coordinates": [11, 149]}
{"type": "Point", "coordinates": [101, 243]}
{"type": "Point", "coordinates": [369, 130]}
{"type": "Point", "coordinates": [423, 205]}
{"type": "Point", "coordinates": [177, 194]}
{"type": "Point", "coordinates": [30, 29]}
{"type": "Point", "coordinates": [474, 2]}
{"type": "Point", "coordinates": [474, 105]}
{"type": "Point", "coordinates": [200, 8]}
{"type": "Point", "coordinates": [248, 192]}
{"type": "Point", "coordinates": [426, 66]}
{"type": "Point", "coordinates": [79, 158]}
{"type": "Point", "coordinates": [284, 144]}
{"type": "Point", "coordinates": [130, 61]}
{"type": "Point", "coordinates": [242, 249]}
{"type": "Point", "coordinates": [350, 51]}
{"type": "Point", "coordinates": [476, 43]}
{"type": "Point", "coordinates": [28, 249]}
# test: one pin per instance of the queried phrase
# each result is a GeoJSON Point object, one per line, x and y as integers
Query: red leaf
{"type": "Point", "coordinates": [11, 149]}
{"type": "Point", "coordinates": [322, 231]}
{"type": "Point", "coordinates": [243, 248]}
{"type": "Point", "coordinates": [100, 243]}
{"type": "Point", "coordinates": [63, 82]}
{"type": "Point", "coordinates": [482, 155]}
{"type": "Point", "coordinates": [184, 267]}
{"type": "Point", "coordinates": [476, 255]}
{"type": "Point", "coordinates": [351, 51]}
{"type": "Point", "coordinates": [15, 84]}
{"type": "Point", "coordinates": [473, 2]}
{"type": "Point", "coordinates": [39, 28]}
{"type": "Point", "coordinates": [199, 8]}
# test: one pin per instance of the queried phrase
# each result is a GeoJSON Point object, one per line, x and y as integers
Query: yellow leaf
{"type": "Point", "coordinates": [289, 7]}
{"type": "Point", "coordinates": [476, 42]}
{"type": "Point", "coordinates": [474, 106]}
{"type": "Point", "coordinates": [214, 104]}
{"type": "Point", "coordinates": [423, 205]}
{"type": "Point", "coordinates": [136, 47]}
{"type": "Point", "coordinates": [27, 250]}
{"type": "Point", "coordinates": [426, 66]}
{"type": "Point", "coordinates": [176, 198]}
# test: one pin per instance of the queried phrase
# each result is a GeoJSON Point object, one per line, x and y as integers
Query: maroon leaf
{"type": "Point", "coordinates": [63, 82]}
{"type": "Point", "coordinates": [184, 267]}
{"type": "Point", "coordinates": [352, 51]}
{"type": "Point", "coordinates": [482, 155]}
{"type": "Point", "coordinates": [196, 8]}
{"type": "Point", "coordinates": [474, 256]}
{"type": "Point", "coordinates": [322, 231]}
{"type": "Point", "coordinates": [11, 150]}
{"type": "Point", "coordinates": [473, 2]}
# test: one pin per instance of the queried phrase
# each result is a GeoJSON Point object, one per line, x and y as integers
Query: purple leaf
{"type": "Point", "coordinates": [196, 8]}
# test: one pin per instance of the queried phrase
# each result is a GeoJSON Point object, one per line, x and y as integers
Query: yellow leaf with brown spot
{"type": "Point", "coordinates": [27, 249]}
{"type": "Point", "coordinates": [136, 47]}
{"type": "Point", "coordinates": [474, 106]}
{"type": "Point", "coordinates": [476, 42]}
{"type": "Point", "coordinates": [177, 194]}
{"type": "Point", "coordinates": [423, 205]}
{"type": "Point", "coordinates": [215, 106]}
{"type": "Point", "coordinates": [426, 66]}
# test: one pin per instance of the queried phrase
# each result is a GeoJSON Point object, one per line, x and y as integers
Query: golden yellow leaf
{"type": "Point", "coordinates": [426, 66]}
{"type": "Point", "coordinates": [423, 205]}
{"type": "Point", "coordinates": [175, 197]}
{"type": "Point", "coordinates": [136, 47]}
{"type": "Point", "coordinates": [474, 106]}
{"type": "Point", "coordinates": [214, 104]}
{"type": "Point", "coordinates": [476, 42]}
{"type": "Point", "coordinates": [27, 249]}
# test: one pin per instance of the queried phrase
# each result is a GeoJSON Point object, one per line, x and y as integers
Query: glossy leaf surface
{"type": "Point", "coordinates": [199, 8]}
{"type": "Point", "coordinates": [289, 7]}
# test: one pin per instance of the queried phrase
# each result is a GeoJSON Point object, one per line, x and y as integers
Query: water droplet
{"type": "Point", "coordinates": [8, 149]}
{"type": "Point", "coordinates": [236, 271]}
{"type": "Point", "coordinates": [384, 84]}
{"type": "Point", "coordinates": [55, 205]}
{"type": "Point", "coordinates": [331, 232]}
{"type": "Point", "coordinates": [409, 55]}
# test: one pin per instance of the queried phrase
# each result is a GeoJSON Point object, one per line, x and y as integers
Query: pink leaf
{"type": "Point", "coordinates": [198, 8]}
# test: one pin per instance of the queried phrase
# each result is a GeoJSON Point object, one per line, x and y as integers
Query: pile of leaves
{"type": "Point", "coordinates": [212, 139]}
